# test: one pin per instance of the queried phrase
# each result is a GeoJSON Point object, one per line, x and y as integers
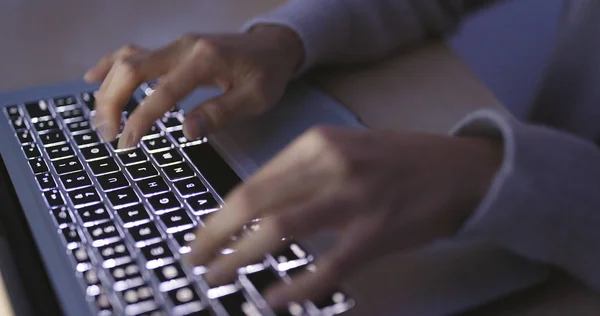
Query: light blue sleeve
{"type": "Point", "coordinates": [339, 31]}
{"type": "Point", "coordinates": [544, 202]}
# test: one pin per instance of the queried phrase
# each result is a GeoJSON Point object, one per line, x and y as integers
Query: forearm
{"type": "Point", "coordinates": [336, 31]}
{"type": "Point", "coordinates": [544, 203]}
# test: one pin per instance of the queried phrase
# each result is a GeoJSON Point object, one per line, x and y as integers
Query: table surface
{"type": "Point", "coordinates": [427, 90]}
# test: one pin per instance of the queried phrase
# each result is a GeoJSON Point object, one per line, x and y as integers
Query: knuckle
{"type": "Point", "coordinates": [216, 114]}
{"type": "Point", "coordinates": [205, 49]}
{"type": "Point", "coordinates": [131, 67]}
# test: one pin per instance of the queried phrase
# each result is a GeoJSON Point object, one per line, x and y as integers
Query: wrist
{"type": "Point", "coordinates": [285, 39]}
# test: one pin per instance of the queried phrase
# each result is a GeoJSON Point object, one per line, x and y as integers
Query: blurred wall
{"type": "Point", "coordinates": [509, 45]}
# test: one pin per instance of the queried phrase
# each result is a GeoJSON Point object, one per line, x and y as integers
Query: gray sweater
{"type": "Point", "coordinates": [544, 203]}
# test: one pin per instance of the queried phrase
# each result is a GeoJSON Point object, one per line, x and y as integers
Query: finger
{"type": "Point", "coordinates": [101, 69]}
{"type": "Point", "coordinates": [174, 86]}
{"type": "Point", "coordinates": [225, 109]}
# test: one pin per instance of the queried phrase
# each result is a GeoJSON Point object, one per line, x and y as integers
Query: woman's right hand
{"type": "Point", "coordinates": [252, 69]}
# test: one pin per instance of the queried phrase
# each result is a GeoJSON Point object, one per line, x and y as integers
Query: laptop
{"type": "Point", "coordinates": [87, 229]}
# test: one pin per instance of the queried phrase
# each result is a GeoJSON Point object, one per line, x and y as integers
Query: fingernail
{"type": "Point", "coordinates": [195, 128]}
{"type": "Point", "coordinates": [126, 141]}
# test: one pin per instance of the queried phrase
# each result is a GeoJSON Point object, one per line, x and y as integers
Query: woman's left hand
{"type": "Point", "coordinates": [382, 192]}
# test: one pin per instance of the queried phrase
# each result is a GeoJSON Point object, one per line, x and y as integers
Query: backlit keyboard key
{"type": "Point", "coordinates": [184, 296]}
{"type": "Point", "coordinates": [123, 197]}
{"type": "Point", "coordinates": [94, 152]}
{"type": "Point", "coordinates": [103, 166]}
{"type": "Point", "coordinates": [103, 234]}
{"type": "Point", "coordinates": [179, 138]}
{"type": "Point", "coordinates": [153, 132]}
{"type": "Point", "coordinates": [79, 126]}
{"type": "Point", "coordinates": [133, 215]}
{"type": "Point", "coordinates": [44, 126]}
{"type": "Point", "coordinates": [202, 204]}
{"type": "Point", "coordinates": [62, 216]}
{"type": "Point", "coordinates": [72, 115]}
{"type": "Point", "coordinates": [93, 215]}
{"type": "Point", "coordinates": [145, 234]}
{"type": "Point", "coordinates": [31, 151]}
{"type": "Point", "coordinates": [18, 122]}
{"type": "Point", "coordinates": [113, 181]}
{"type": "Point", "coordinates": [71, 236]}
{"type": "Point", "coordinates": [142, 171]}
{"type": "Point", "coordinates": [157, 255]}
{"type": "Point", "coordinates": [135, 298]}
{"type": "Point", "coordinates": [13, 111]}
{"type": "Point", "coordinates": [86, 139]}
{"type": "Point", "coordinates": [176, 220]}
{"type": "Point", "coordinates": [132, 157]}
{"type": "Point", "coordinates": [65, 101]}
{"type": "Point", "coordinates": [178, 171]}
{"type": "Point", "coordinates": [67, 165]}
{"type": "Point", "coordinates": [85, 196]}
{"type": "Point", "coordinates": [171, 122]}
{"type": "Point", "coordinates": [89, 98]}
{"type": "Point", "coordinates": [169, 273]}
{"type": "Point", "coordinates": [53, 138]}
{"type": "Point", "coordinates": [189, 187]}
{"type": "Point", "coordinates": [235, 303]}
{"type": "Point", "coordinates": [166, 158]}
{"type": "Point", "coordinates": [184, 238]}
{"type": "Point", "coordinates": [38, 165]}
{"type": "Point", "coordinates": [152, 186]}
{"type": "Point", "coordinates": [164, 203]}
{"type": "Point", "coordinates": [114, 254]}
{"type": "Point", "coordinates": [157, 144]}
{"type": "Point", "coordinates": [45, 181]}
{"type": "Point", "coordinates": [75, 180]}
{"type": "Point", "coordinates": [24, 136]}
{"type": "Point", "coordinates": [60, 152]}
{"type": "Point", "coordinates": [82, 258]}
{"type": "Point", "coordinates": [263, 279]}
{"type": "Point", "coordinates": [38, 109]}
{"type": "Point", "coordinates": [126, 276]}
{"type": "Point", "coordinates": [54, 198]}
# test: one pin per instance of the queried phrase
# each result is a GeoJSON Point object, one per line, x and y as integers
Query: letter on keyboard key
{"type": "Point", "coordinates": [67, 165]}
{"type": "Point", "coordinates": [38, 109]}
{"type": "Point", "coordinates": [93, 214]}
{"type": "Point", "coordinates": [164, 203]}
{"type": "Point", "coordinates": [71, 236]}
{"type": "Point", "coordinates": [82, 258]}
{"type": "Point", "coordinates": [138, 300]}
{"type": "Point", "coordinates": [202, 204]}
{"type": "Point", "coordinates": [38, 165]}
{"type": "Point", "coordinates": [75, 180]}
{"type": "Point", "coordinates": [44, 126]}
{"type": "Point", "coordinates": [53, 138]}
{"type": "Point", "coordinates": [103, 303]}
{"type": "Point", "coordinates": [31, 151]}
{"type": "Point", "coordinates": [166, 158]}
{"type": "Point", "coordinates": [13, 111]}
{"type": "Point", "coordinates": [103, 166]}
{"type": "Point", "coordinates": [132, 157]}
{"type": "Point", "coordinates": [62, 216]}
{"type": "Point", "coordinates": [156, 144]}
{"type": "Point", "coordinates": [183, 238]}
{"type": "Point", "coordinates": [128, 273]}
{"type": "Point", "coordinates": [184, 296]}
{"type": "Point", "coordinates": [45, 181]}
{"type": "Point", "coordinates": [145, 234]}
{"type": "Point", "coordinates": [18, 122]}
{"type": "Point", "coordinates": [95, 152]}
{"type": "Point", "coordinates": [157, 255]}
{"type": "Point", "coordinates": [189, 187]}
{"type": "Point", "coordinates": [169, 273]}
{"type": "Point", "coordinates": [86, 139]}
{"type": "Point", "coordinates": [113, 181]}
{"type": "Point", "coordinates": [133, 215]}
{"type": "Point", "coordinates": [54, 198]}
{"type": "Point", "coordinates": [152, 186]}
{"type": "Point", "coordinates": [123, 197]}
{"type": "Point", "coordinates": [176, 220]}
{"type": "Point", "coordinates": [178, 171]}
{"type": "Point", "coordinates": [85, 196]}
{"type": "Point", "coordinates": [60, 152]}
{"type": "Point", "coordinates": [65, 101]}
{"type": "Point", "coordinates": [142, 171]}
{"type": "Point", "coordinates": [212, 167]}
{"type": "Point", "coordinates": [103, 234]}
{"type": "Point", "coordinates": [24, 136]}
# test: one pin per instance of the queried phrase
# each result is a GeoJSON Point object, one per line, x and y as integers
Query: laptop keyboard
{"type": "Point", "coordinates": [126, 216]}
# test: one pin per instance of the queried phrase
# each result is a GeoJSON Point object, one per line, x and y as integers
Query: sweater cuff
{"type": "Point", "coordinates": [319, 31]}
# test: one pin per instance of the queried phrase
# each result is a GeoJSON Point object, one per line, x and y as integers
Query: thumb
{"type": "Point", "coordinates": [220, 111]}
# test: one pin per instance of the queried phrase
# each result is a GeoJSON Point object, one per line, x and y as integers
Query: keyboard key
{"type": "Point", "coordinates": [103, 304]}
{"type": "Point", "coordinates": [45, 181]}
{"type": "Point", "coordinates": [157, 254]}
{"type": "Point", "coordinates": [91, 277]}
{"type": "Point", "coordinates": [132, 157]}
{"type": "Point", "coordinates": [152, 186]}
{"type": "Point", "coordinates": [291, 253]}
{"type": "Point", "coordinates": [153, 132]}
{"type": "Point", "coordinates": [103, 166]}
{"type": "Point", "coordinates": [60, 152]}
{"type": "Point", "coordinates": [169, 272]}
{"type": "Point", "coordinates": [157, 144]}
{"type": "Point", "coordinates": [126, 275]}
{"type": "Point", "coordinates": [202, 204]}
{"type": "Point", "coordinates": [82, 258]}
{"type": "Point", "coordinates": [336, 298]}
{"type": "Point", "coordinates": [65, 101]}
{"type": "Point", "coordinates": [176, 220]}
{"type": "Point", "coordinates": [31, 151]}
{"type": "Point", "coordinates": [38, 165]}
{"type": "Point", "coordinates": [171, 122]}
{"type": "Point", "coordinates": [164, 202]}
{"type": "Point", "coordinates": [235, 303]}
{"type": "Point", "coordinates": [71, 236]}
{"type": "Point", "coordinates": [44, 126]}
{"type": "Point", "coordinates": [72, 115]}
{"type": "Point", "coordinates": [189, 187]}
{"type": "Point", "coordinates": [103, 234]}
{"type": "Point", "coordinates": [54, 198]}
{"type": "Point", "coordinates": [141, 171]}
{"type": "Point", "coordinates": [203, 312]}
{"type": "Point", "coordinates": [18, 122]}
{"type": "Point", "coordinates": [86, 139]}
{"type": "Point", "coordinates": [133, 215]}
{"type": "Point", "coordinates": [80, 126]}
{"type": "Point", "coordinates": [38, 109]}
{"type": "Point", "coordinates": [94, 152]}
{"type": "Point", "coordinates": [113, 181]}
{"type": "Point", "coordinates": [137, 295]}
{"type": "Point", "coordinates": [180, 139]}
{"type": "Point", "coordinates": [89, 98]}
{"type": "Point", "coordinates": [166, 158]}
{"type": "Point", "coordinates": [53, 138]}
{"type": "Point", "coordinates": [24, 136]}
{"type": "Point", "coordinates": [115, 145]}
{"type": "Point", "coordinates": [213, 168]}
{"type": "Point", "coordinates": [93, 215]}
{"type": "Point", "coordinates": [13, 111]}
{"type": "Point", "coordinates": [67, 165]}
{"type": "Point", "coordinates": [131, 105]}
{"type": "Point", "coordinates": [85, 196]}
{"type": "Point", "coordinates": [62, 216]}
{"type": "Point", "coordinates": [123, 197]}
{"type": "Point", "coordinates": [75, 180]}
{"type": "Point", "coordinates": [178, 171]}
{"type": "Point", "coordinates": [184, 238]}
{"type": "Point", "coordinates": [183, 295]}
{"type": "Point", "coordinates": [145, 234]}
{"type": "Point", "coordinates": [263, 279]}
{"type": "Point", "coordinates": [114, 254]}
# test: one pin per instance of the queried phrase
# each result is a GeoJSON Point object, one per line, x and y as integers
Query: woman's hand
{"type": "Point", "coordinates": [382, 192]}
{"type": "Point", "coordinates": [252, 69]}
